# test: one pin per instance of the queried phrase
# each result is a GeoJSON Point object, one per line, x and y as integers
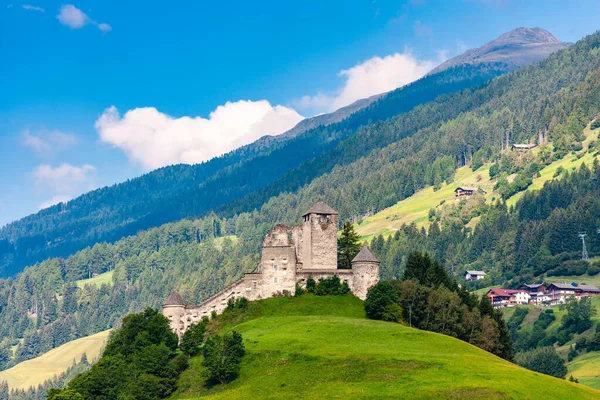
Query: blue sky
{"type": "Point", "coordinates": [96, 92]}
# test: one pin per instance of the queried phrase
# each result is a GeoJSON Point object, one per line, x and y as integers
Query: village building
{"type": "Point", "coordinates": [474, 275]}
{"type": "Point", "coordinates": [523, 147]}
{"type": "Point", "coordinates": [507, 297]}
{"type": "Point", "coordinates": [289, 256]}
{"type": "Point", "coordinates": [462, 192]}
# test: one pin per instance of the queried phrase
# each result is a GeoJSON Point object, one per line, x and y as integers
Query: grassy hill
{"type": "Point", "coordinates": [105, 278]}
{"type": "Point", "coordinates": [36, 371]}
{"type": "Point", "coordinates": [323, 347]}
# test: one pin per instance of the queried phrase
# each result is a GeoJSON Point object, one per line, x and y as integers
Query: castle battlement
{"type": "Point", "coordinates": [289, 256]}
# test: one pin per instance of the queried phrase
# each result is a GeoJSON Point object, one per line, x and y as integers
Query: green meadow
{"type": "Point", "coordinates": [324, 347]}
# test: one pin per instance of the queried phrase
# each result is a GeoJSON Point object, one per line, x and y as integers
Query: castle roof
{"type": "Point", "coordinates": [365, 255]}
{"type": "Point", "coordinates": [321, 208]}
{"type": "Point", "coordinates": [174, 299]}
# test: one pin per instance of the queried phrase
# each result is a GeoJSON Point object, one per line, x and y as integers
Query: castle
{"type": "Point", "coordinates": [289, 256]}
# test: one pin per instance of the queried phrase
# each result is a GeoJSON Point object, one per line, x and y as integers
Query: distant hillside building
{"type": "Point", "coordinates": [474, 275]}
{"type": "Point", "coordinates": [289, 256]}
{"type": "Point", "coordinates": [523, 147]}
{"type": "Point", "coordinates": [462, 192]}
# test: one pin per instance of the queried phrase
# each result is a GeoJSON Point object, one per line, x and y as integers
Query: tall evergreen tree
{"type": "Point", "coordinates": [348, 246]}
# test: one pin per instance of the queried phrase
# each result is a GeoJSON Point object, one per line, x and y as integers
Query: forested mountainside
{"type": "Point", "coordinates": [554, 99]}
{"type": "Point", "coordinates": [171, 193]}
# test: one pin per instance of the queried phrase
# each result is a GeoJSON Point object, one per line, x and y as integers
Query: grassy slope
{"type": "Point", "coordinates": [105, 278]}
{"type": "Point", "coordinates": [36, 371]}
{"type": "Point", "coordinates": [323, 347]}
{"type": "Point", "coordinates": [416, 208]}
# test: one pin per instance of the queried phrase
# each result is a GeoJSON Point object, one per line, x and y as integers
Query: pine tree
{"type": "Point", "coordinates": [348, 246]}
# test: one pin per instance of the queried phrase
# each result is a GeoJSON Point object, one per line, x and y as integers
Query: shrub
{"type": "Point", "coordinates": [299, 291]}
{"type": "Point", "coordinates": [593, 270]}
{"type": "Point", "coordinates": [222, 356]}
{"type": "Point", "coordinates": [379, 298]}
{"type": "Point", "coordinates": [192, 339]}
{"type": "Point", "coordinates": [331, 286]}
{"type": "Point", "coordinates": [595, 124]}
{"type": "Point", "coordinates": [544, 360]}
{"type": "Point", "coordinates": [310, 285]}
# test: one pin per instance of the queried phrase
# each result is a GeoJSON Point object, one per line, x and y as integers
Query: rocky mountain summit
{"type": "Point", "coordinates": [519, 47]}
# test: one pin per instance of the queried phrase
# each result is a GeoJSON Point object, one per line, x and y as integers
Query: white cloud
{"type": "Point", "coordinates": [59, 198]}
{"type": "Point", "coordinates": [74, 18]}
{"type": "Point", "coordinates": [105, 27]}
{"type": "Point", "coordinates": [154, 139]}
{"type": "Point", "coordinates": [33, 8]}
{"type": "Point", "coordinates": [374, 76]}
{"type": "Point", "coordinates": [65, 179]}
{"type": "Point", "coordinates": [48, 142]}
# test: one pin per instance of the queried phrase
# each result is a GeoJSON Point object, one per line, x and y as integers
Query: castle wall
{"type": "Point", "coordinates": [181, 317]}
{"type": "Point", "coordinates": [278, 267]}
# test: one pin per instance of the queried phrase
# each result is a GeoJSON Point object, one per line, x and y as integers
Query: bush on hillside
{"type": "Point", "coordinates": [223, 355]}
{"type": "Point", "coordinates": [192, 339]}
{"type": "Point", "coordinates": [595, 124]}
{"type": "Point", "coordinates": [544, 360]}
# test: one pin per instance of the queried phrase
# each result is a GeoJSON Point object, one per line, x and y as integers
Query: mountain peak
{"type": "Point", "coordinates": [516, 48]}
{"type": "Point", "coordinates": [525, 35]}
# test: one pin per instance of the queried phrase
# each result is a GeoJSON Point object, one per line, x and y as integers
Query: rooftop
{"type": "Point", "coordinates": [365, 255]}
{"type": "Point", "coordinates": [321, 208]}
{"type": "Point", "coordinates": [502, 292]}
{"type": "Point", "coordinates": [475, 272]}
{"type": "Point", "coordinates": [174, 299]}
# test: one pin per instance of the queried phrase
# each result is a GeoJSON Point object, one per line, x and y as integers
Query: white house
{"type": "Point", "coordinates": [522, 297]}
{"type": "Point", "coordinates": [474, 275]}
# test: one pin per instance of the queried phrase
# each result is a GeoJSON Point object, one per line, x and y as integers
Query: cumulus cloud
{"type": "Point", "coordinates": [65, 178]}
{"type": "Point", "coordinates": [63, 182]}
{"type": "Point", "coordinates": [48, 142]}
{"type": "Point", "coordinates": [74, 18]}
{"type": "Point", "coordinates": [33, 8]}
{"type": "Point", "coordinates": [154, 139]}
{"type": "Point", "coordinates": [374, 76]}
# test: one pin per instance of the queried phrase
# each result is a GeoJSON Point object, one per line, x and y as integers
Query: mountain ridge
{"type": "Point", "coordinates": [520, 46]}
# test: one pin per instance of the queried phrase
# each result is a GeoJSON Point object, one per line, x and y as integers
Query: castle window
{"type": "Point", "coordinates": [275, 280]}
{"type": "Point", "coordinates": [273, 236]}
{"type": "Point", "coordinates": [289, 236]}
{"type": "Point", "coordinates": [275, 268]}
{"type": "Point", "coordinates": [254, 284]}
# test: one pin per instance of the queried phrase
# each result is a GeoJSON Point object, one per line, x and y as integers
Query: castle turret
{"type": "Point", "coordinates": [319, 238]}
{"type": "Point", "coordinates": [174, 309]}
{"type": "Point", "coordinates": [365, 271]}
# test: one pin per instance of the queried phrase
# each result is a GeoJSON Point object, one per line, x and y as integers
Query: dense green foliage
{"type": "Point", "coordinates": [222, 356]}
{"type": "Point", "coordinates": [139, 362]}
{"type": "Point", "coordinates": [348, 245]}
{"type": "Point", "coordinates": [429, 299]}
{"type": "Point", "coordinates": [545, 360]}
{"type": "Point", "coordinates": [193, 338]}
{"type": "Point", "coordinates": [180, 191]}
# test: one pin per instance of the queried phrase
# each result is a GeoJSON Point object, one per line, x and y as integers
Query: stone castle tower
{"type": "Point", "coordinates": [289, 256]}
